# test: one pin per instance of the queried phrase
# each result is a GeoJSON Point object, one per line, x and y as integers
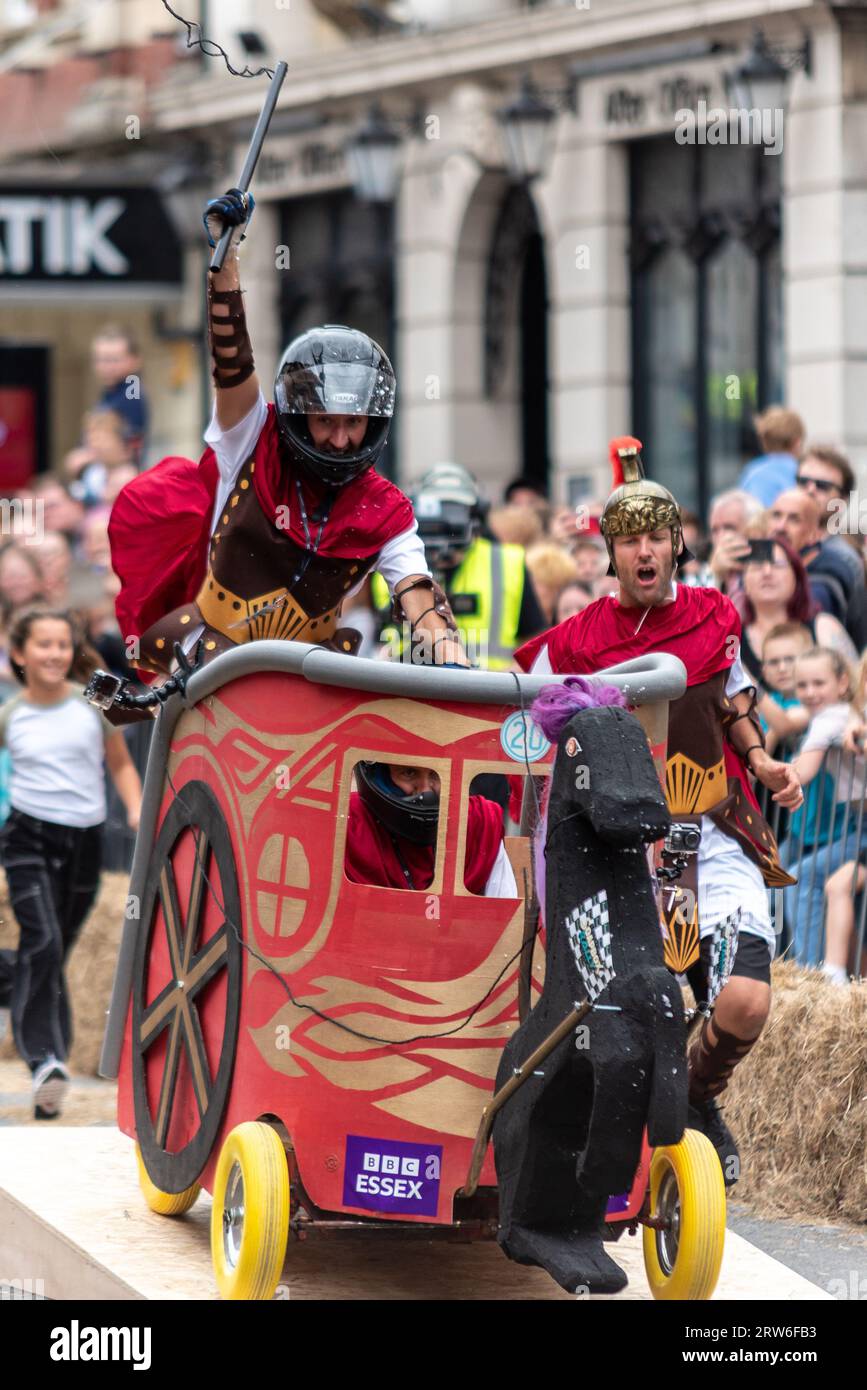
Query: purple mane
{"type": "Point", "coordinates": [551, 710]}
{"type": "Point", "coordinates": [555, 705]}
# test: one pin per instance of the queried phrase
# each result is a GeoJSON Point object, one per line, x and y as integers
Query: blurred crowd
{"type": "Point", "coordinates": [785, 545]}
{"type": "Point", "coordinates": [55, 546]}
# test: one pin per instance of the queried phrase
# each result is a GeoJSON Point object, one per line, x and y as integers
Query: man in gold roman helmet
{"type": "Point", "coordinates": [715, 747]}
{"type": "Point", "coordinates": [637, 504]}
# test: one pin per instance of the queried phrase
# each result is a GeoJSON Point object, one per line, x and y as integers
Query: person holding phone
{"type": "Point", "coordinates": [730, 515]}
{"type": "Point", "coordinates": [776, 590]}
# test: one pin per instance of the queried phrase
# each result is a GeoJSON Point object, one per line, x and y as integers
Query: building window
{"type": "Point", "coordinates": [706, 306]}
{"type": "Point", "coordinates": [341, 272]}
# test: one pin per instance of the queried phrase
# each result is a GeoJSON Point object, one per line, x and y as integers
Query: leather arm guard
{"type": "Point", "coordinates": [440, 604]}
{"type": "Point", "coordinates": [752, 719]}
{"type": "Point", "coordinates": [231, 353]}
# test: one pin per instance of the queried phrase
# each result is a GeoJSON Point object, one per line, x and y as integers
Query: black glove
{"type": "Point", "coordinates": [234, 209]}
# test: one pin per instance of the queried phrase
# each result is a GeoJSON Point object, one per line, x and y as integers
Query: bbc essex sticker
{"type": "Point", "coordinates": [387, 1175]}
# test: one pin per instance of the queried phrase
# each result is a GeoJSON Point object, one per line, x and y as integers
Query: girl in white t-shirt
{"type": "Point", "coordinates": [50, 846]}
{"type": "Point", "coordinates": [851, 878]}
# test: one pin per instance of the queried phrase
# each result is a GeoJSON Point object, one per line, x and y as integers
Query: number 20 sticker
{"type": "Point", "coordinates": [522, 739]}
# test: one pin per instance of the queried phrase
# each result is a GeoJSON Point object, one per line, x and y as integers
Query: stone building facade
{"type": "Point", "coordinates": [650, 280]}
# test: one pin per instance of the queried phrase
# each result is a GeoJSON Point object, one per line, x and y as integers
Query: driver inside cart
{"type": "Point", "coordinates": [393, 826]}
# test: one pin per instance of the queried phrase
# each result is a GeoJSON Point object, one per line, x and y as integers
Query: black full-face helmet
{"type": "Point", "coordinates": [334, 370]}
{"type": "Point", "coordinates": [413, 817]}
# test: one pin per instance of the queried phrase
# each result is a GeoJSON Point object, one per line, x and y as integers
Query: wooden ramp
{"type": "Point", "coordinates": [71, 1214]}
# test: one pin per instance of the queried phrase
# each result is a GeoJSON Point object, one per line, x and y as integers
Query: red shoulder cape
{"type": "Point", "coordinates": [160, 524]}
{"type": "Point", "coordinates": [701, 626]}
{"type": "Point", "coordinates": [371, 857]}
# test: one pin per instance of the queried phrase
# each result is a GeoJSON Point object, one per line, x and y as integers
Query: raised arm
{"type": "Point", "coordinates": [235, 379]}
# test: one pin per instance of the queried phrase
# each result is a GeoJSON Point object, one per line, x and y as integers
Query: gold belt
{"type": "Point", "coordinates": [276, 614]}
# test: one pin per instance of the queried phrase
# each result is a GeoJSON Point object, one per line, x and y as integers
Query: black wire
{"type": "Point", "coordinates": [299, 1003]}
{"type": "Point", "coordinates": [212, 49]}
{"type": "Point", "coordinates": [526, 716]}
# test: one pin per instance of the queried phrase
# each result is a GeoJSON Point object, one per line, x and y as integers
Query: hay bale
{"type": "Point", "coordinates": [798, 1102]}
{"type": "Point", "coordinates": [90, 969]}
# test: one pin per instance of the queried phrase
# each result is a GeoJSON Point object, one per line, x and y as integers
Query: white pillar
{"type": "Point", "coordinates": [585, 213]}
{"type": "Point", "coordinates": [825, 242]}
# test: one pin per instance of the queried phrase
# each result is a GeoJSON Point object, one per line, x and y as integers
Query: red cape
{"type": "Point", "coordinates": [701, 627]}
{"type": "Point", "coordinates": [696, 627]}
{"type": "Point", "coordinates": [371, 857]}
{"type": "Point", "coordinates": [160, 524]}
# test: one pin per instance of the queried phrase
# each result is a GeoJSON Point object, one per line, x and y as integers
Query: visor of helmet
{"type": "Point", "coordinates": [334, 388]}
{"type": "Point", "coordinates": [439, 520]}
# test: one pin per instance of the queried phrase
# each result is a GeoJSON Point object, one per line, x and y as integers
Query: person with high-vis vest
{"type": "Point", "coordinates": [489, 589]}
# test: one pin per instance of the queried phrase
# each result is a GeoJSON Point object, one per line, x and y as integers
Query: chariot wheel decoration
{"type": "Point", "coordinates": [186, 990]}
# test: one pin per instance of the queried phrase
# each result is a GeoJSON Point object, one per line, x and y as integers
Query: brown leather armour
{"type": "Point", "coordinates": [245, 595]}
{"type": "Point", "coordinates": [696, 780]}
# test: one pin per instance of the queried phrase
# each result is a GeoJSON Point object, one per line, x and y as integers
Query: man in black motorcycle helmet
{"type": "Point", "coordinates": [286, 515]}
{"type": "Point", "coordinates": [393, 827]}
{"type": "Point", "coordinates": [334, 394]}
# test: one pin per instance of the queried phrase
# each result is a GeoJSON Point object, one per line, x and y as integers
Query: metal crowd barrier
{"type": "Point", "coordinates": [841, 781]}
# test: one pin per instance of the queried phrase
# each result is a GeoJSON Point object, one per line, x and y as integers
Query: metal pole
{"type": "Point", "coordinates": [815, 851]}
{"type": "Point", "coordinates": [518, 1077]}
{"type": "Point", "coordinates": [252, 159]}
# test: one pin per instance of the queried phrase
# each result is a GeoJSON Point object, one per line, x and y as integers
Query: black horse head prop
{"type": "Point", "coordinates": [570, 1137]}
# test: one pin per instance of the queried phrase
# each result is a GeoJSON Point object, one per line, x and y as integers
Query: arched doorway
{"type": "Point", "coordinates": [516, 328]}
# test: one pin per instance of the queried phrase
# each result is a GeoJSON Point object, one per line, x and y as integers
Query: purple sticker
{"type": "Point", "coordinates": [618, 1203]}
{"type": "Point", "coordinates": [387, 1175]}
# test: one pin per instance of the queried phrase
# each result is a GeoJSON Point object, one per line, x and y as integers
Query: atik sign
{"type": "Point", "coordinates": [96, 235]}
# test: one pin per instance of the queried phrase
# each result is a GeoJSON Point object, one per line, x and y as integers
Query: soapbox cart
{"type": "Point", "coordinates": [315, 1052]}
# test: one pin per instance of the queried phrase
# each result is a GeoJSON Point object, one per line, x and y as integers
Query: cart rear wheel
{"type": "Point", "coordinates": [250, 1215]}
{"type": "Point", "coordinates": [687, 1191]}
{"type": "Point", "coordinates": [164, 1203]}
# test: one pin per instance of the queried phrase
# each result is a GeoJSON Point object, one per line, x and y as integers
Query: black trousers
{"type": "Point", "coordinates": [53, 877]}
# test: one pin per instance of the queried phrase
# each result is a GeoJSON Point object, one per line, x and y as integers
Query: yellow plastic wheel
{"type": "Point", "coordinates": [250, 1215]}
{"type": "Point", "coordinates": [687, 1191]}
{"type": "Point", "coordinates": [164, 1203]}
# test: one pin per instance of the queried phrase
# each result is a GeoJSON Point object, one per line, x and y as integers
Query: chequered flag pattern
{"type": "Point", "coordinates": [724, 944]}
{"type": "Point", "coordinates": [590, 938]}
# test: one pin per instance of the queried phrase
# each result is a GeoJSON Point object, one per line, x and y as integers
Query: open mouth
{"type": "Point", "coordinates": [646, 574]}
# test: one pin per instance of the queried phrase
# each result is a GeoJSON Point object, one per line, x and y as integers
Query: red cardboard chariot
{"type": "Point", "coordinates": [312, 1050]}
